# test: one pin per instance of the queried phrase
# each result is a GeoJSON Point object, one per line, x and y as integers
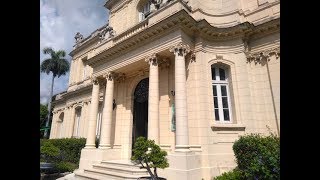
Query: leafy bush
{"type": "Point", "coordinates": [49, 152]}
{"type": "Point", "coordinates": [70, 148]}
{"type": "Point", "coordinates": [149, 155]}
{"type": "Point", "coordinates": [66, 166]}
{"type": "Point", "coordinates": [64, 153]}
{"type": "Point", "coordinates": [235, 174]}
{"type": "Point", "coordinates": [258, 157]}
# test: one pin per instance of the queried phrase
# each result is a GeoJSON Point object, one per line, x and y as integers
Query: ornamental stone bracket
{"type": "Point", "coordinates": [261, 56]}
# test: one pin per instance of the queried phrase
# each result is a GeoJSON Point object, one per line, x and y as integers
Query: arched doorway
{"type": "Point", "coordinates": [140, 110]}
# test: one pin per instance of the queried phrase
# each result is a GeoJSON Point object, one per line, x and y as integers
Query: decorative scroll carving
{"type": "Point", "coordinates": [152, 59]}
{"type": "Point", "coordinates": [180, 49]}
{"type": "Point", "coordinates": [263, 55]}
{"type": "Point", "coordinates": [106, 33]}
{"type": "Point", "coordinates": [110, 76]}
{"type": "Point", "coordinates": [78, 37]}
{"type": "Point", "coordinates": [193, 57]}
{"type": "Point", "coordinates": [94, 80]}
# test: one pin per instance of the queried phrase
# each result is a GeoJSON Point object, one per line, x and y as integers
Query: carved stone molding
{"type": "Point", "coordinates": [152, 59]}
{"type": "Point", "coordinates": [180, 49]}
{"type": "Point", "coordinates": [192, 56]}
{"type": "Point", "coordinates": [262, 55]}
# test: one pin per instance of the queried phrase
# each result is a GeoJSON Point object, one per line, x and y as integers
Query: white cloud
{"type": "Point", "coordinates": [59, 22]}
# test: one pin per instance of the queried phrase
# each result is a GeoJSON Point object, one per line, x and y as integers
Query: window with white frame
{"type": "Point", "coordinates": [221, 93]}
{"type": "Point", "coordinates": [144, 11]}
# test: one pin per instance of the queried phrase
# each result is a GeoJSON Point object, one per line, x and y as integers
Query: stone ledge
{"type": "Point", "coordinates": [228, 127]}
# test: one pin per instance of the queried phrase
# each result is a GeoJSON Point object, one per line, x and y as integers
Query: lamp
{"type": "Point", "coordinates": [173, 93]}
{"type": "Point", "coordinates": [114, 104]}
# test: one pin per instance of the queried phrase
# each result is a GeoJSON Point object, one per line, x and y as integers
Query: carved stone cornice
{"type": "Point", "coordinates": [180, 49]}
{"type": "Point", "coordinates": [152, 59]}
{"type": "Point", "coordinates": [258, 57]}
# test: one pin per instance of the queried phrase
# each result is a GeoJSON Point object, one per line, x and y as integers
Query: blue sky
{"type": "Point", "coordinates": [59, 22]}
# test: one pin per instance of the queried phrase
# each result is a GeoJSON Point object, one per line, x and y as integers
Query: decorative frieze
{"type": "Point", "coordinates": [258, 57]}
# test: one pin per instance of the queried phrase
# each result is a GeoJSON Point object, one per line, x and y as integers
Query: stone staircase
{"type": "Point", "coordinates": [111, 170]}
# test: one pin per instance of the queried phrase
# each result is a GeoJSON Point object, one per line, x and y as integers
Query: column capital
{"type": "Point", "coordinates": [94, 80]}
{"type": "Point", "coordinates": [152, 59]}
{"type": "Point", "coordinates": [180, 49]}
{"type": "Point", "coordinates": [110, 76]}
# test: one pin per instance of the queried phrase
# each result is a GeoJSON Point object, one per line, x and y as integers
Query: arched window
{"type": "Point", "coordinates": [144, 9]}
{"type": "Point", "coordinates": [77, 121]}
{"type": "Point", "coordinates": [60, 125]}
{"type": "Point", "coordinates": [221, 93]}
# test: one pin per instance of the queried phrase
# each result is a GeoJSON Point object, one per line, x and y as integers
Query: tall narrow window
{"type": "Point", "coordinates": [77, 122]}
{"type": "Point", "coordinates": [221, 96]}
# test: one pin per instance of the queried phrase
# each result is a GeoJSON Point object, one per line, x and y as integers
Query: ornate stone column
{"type": "Point", "coordinates": [182, 134]}
{"type": "Point", "coordinates": [91, 137]}
{"type": "Point", "coordinates": [153, 100]}
{"type": "Point", "coordinates": [106, 123]}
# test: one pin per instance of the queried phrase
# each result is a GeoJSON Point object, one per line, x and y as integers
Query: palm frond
{"type": "Point", "coordinates": [61, 53]}
{"type": "Point", "coordinates": [46, 66]}
{"type": "Point", "coordinates": [47, 50]}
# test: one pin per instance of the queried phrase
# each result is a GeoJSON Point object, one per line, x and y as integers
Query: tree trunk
{"type": "Point", "coordinates": [150, 172]}
{"type": "Point", "coordinates": [155, 172]}
{"type": "Point", "coordinates": [49, 109]}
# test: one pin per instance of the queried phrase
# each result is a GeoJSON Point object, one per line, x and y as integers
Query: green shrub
{"type": "Point", "coordinates": [66, 166]}
{"type": "Point", "coordinates": [258, 157]}
{"type": "Point", "coordinates": [235, 174]}
{"type": "Point", "coordinates": [64, 153]}
{"type": "Point", "coordinates": [70, 148]}
{"type": "Point", "coordinates": [49, 152]}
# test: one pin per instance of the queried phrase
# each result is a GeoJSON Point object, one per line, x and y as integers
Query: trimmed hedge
{"type": "Point", "coordinates": [257, 157]}
{"type": "Point", "coordinates": [235, 174]}
{"type": "Point", "coordinates": [64, 153]}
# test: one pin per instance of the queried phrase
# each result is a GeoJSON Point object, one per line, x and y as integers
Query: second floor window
{"type": "Point", "coordinates": [144, 11]}
{"type": "Point", "coordinates": [221, 96]}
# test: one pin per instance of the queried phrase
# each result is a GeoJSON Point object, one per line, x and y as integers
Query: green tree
{"type": "Point", "coordinates": [58, 66]}
{"type": "Point", "coordinates": [149, 155]}
{"type": "Point", "coordinates": [43, 113]}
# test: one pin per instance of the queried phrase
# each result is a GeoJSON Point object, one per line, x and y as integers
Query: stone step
{"type": "Point", "coordinates": [112, 168]}
{"type": "Point", "coordinates": [110, 175]}
{"type": "Point", "coordinates": [121, 164]}
{"type": "Point", "coordinates": [86, 176]}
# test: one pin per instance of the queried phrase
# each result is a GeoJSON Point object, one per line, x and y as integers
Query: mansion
{"type": "Point", "coordinates": [192, 75]}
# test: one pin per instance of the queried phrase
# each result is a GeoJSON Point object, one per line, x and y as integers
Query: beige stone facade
{"type": "Point", "coordinates": [213, 64]}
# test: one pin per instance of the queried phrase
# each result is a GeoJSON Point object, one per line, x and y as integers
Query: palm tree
{"type": "Point", "coordinates": [58, 65]}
